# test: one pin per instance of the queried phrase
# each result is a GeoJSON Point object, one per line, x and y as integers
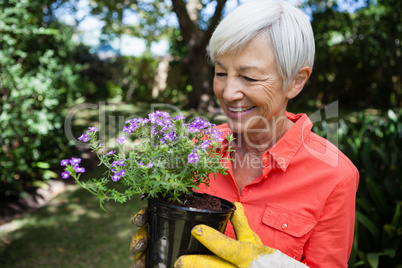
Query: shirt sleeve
{"type": "Point", "coordinates": [331, 241]}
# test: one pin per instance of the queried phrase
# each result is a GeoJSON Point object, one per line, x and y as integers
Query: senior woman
{"type": "Point", "coordinates": [297, 189]}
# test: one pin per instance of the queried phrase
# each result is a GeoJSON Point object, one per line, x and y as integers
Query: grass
{"type": "Point", "coordinates": [71, 231]}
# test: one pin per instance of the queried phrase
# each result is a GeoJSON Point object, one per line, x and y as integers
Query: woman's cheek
{"type": "Point", "coordinates": [218, 89]}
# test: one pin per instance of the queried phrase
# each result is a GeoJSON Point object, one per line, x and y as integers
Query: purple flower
{"type": "Point", "coordinates": [140, 164]}
{"type": "Point", "coordinates": [164, 114]}
{"type": "Point", "coordinates": [134, 124]}
{"type": "Point", "coordinates": [154, 130]}
{"type": "Point", "coordinates": [92, 129]}
{"type": "Point", "coordinates": [79, 169]}
{"type": "Point", "coordinates": [198, 124]}
{"type": "Point", "coordinates": [65, 175]}
{"type": "Point", "coordinates": [64, 162]}
{"type": "Point", "coordinates": [150, 165]}
{"type": "Point", "coordinates": [193, 158]}
{"type": "Point", "coordinates": [152, 117]}
{"type": "Point", "coordinates": [216, 134]}
{"type": "Point", "coordinates": [127, 129]}
{"type": "Point", "coordinates": [180, 117]}
{"type": "Point", "coordinates": [160, 122]}
{"type": "Point", "coordinates": [111, 152]}
{"type": "Point", "coordinates": [115, 177]}
{"type": "Point", "coordinates": [122, 173]}
{"type": "Point", "coordinates": [84, 138]}
{"type": "Point", "coordinates": [205, 144]}
{"type": "Point", "coordinates": [170, 136]}
{"type": "Point", "coordinates": [120, 162]}
{"type": "Point", "coordinates": [75, 161]}
{"type": "Point", "coordinates": [121, 139]}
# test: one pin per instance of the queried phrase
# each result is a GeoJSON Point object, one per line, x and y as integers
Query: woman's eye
{"type": "Point", "coordinates": [220, 74]}
{"type": "Point", "coordinates": [248, 79]}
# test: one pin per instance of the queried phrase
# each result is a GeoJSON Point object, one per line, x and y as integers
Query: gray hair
{"type": "Point", "coordinates": [288, 30]}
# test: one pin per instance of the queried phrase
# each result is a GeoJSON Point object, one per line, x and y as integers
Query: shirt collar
{"type": "Point", "coordinates": [285, 149]}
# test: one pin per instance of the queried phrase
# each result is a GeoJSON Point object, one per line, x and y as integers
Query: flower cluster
{"type": "Point", "coordinates": [85, 137]}
{"type": "Point", "coordinates": [161, 156]}
{"type": "Point", "coordinates": [74, 164]}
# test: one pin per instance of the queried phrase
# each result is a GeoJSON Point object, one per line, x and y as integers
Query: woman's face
{"type": "Point", "coordinates": [249, 88]}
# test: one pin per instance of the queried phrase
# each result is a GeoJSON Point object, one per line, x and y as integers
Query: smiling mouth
{"type": "Point", "coordinates": [242, 109]}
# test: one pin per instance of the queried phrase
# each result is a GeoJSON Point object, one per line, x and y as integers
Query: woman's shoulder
{"type": "Point", "coordinates": [327, 152]}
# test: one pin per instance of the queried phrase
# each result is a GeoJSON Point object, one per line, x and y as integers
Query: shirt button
{"type": "Point", "coordinates": [284, 226]}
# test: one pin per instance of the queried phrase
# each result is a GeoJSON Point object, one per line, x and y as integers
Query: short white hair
{"type": "Point", "coordinates": [288, 30]}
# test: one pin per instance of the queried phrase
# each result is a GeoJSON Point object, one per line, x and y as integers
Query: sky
{"type": "Point", "coordinates": [90, 31]}
{"type": "Point", "coordinates": [90, 27]}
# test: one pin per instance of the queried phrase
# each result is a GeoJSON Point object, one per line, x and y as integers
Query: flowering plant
{"type": "Point", "coordinates": [166, 158]}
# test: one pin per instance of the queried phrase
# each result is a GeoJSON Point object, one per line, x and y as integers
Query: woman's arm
{"type": "Point", "coordinates": [331, 241]}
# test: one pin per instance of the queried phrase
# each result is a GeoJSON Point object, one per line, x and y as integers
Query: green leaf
{"type": "Point", "coordinates": [42, 165]}
{"type": "Point", "coordinates": [390, 252]}
{"type": "Point", "coordinates": [48, 174]}
{"type": "Point", "coordinates": [373, 259]}
{"type": "Point", "coordinates": [392, 115]}
{"type": "Point", "coordinates": [397, 216]}
{"type": "Point", "coordinates": [40, 184]}
{"type": "Point", "coordinates": [378, 197]}
{"type": "Point", "coordinates": [366, 222]}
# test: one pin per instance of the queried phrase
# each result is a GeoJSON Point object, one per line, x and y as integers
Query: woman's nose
{"type": "Point", "coordinates": [233, 90]}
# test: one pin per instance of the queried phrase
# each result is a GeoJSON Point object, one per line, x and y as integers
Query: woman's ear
{"type": "Point", "coordinates": [298, 82]}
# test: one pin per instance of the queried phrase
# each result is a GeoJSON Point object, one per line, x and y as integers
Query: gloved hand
{"type": "Point", "coordinates": [247, 251]}
{"type": "Point", "coordinates": [139, 240]}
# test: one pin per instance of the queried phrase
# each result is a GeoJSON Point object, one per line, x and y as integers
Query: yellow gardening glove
{"type": "Point", "coordinates": [139, 240]}
{"type": "Point", "coordinates": [247, 251]}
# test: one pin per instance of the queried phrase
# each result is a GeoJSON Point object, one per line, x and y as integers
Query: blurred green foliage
{"type": "Point", "coordinates": [131, 79]}
{"type": "Point", "coordinates": [358, 55]}
{"type": "Point", "coordinates": [374, 145]}
{"type": "Point", "coordinates": [37, 80]}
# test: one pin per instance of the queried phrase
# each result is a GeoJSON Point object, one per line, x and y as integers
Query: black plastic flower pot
{"type": "Point", "coordinates": [170, 230]}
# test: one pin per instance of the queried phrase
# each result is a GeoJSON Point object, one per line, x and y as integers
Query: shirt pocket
{"type": "Point", "coordinates": [290, 228]}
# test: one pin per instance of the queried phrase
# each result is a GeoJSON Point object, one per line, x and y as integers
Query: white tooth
{"type": "Point", "coordinates": [239, 109]}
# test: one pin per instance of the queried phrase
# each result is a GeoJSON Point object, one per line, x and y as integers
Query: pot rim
{"type": "Point", "coordinates": [230, 206]}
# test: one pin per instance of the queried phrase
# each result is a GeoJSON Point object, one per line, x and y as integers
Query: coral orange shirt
{"type": "Point", "coordinates": [304, 202]}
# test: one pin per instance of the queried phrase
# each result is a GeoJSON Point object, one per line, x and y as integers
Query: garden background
{"type": "Point", "coordinates": [53, 84]}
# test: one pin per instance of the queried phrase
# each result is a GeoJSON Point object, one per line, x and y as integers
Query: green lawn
{"type": "Point", "coordinates": [71, 231]}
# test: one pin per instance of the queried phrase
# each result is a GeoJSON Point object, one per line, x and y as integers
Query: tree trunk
{"type": "Point", "coordinates": [201, 96]}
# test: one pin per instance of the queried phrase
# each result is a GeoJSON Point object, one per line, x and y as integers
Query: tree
{"type": "Point", "coordinates": [195, 25]}
{"type": "Point", "coordinates": [197, 39]}
{"type": "Point", "coordinates": [37, 80]}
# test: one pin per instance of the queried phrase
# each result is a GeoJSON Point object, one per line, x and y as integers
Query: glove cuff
{"type": "Point", "coordinates": [278, 260]}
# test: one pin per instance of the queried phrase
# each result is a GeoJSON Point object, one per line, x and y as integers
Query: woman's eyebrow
{"type": "Point", "coordinates": [241, 68]}
{"type": "Point", "coordinates": [245, 68]}
{"type": "Point", "coordinates": [220, 64]}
